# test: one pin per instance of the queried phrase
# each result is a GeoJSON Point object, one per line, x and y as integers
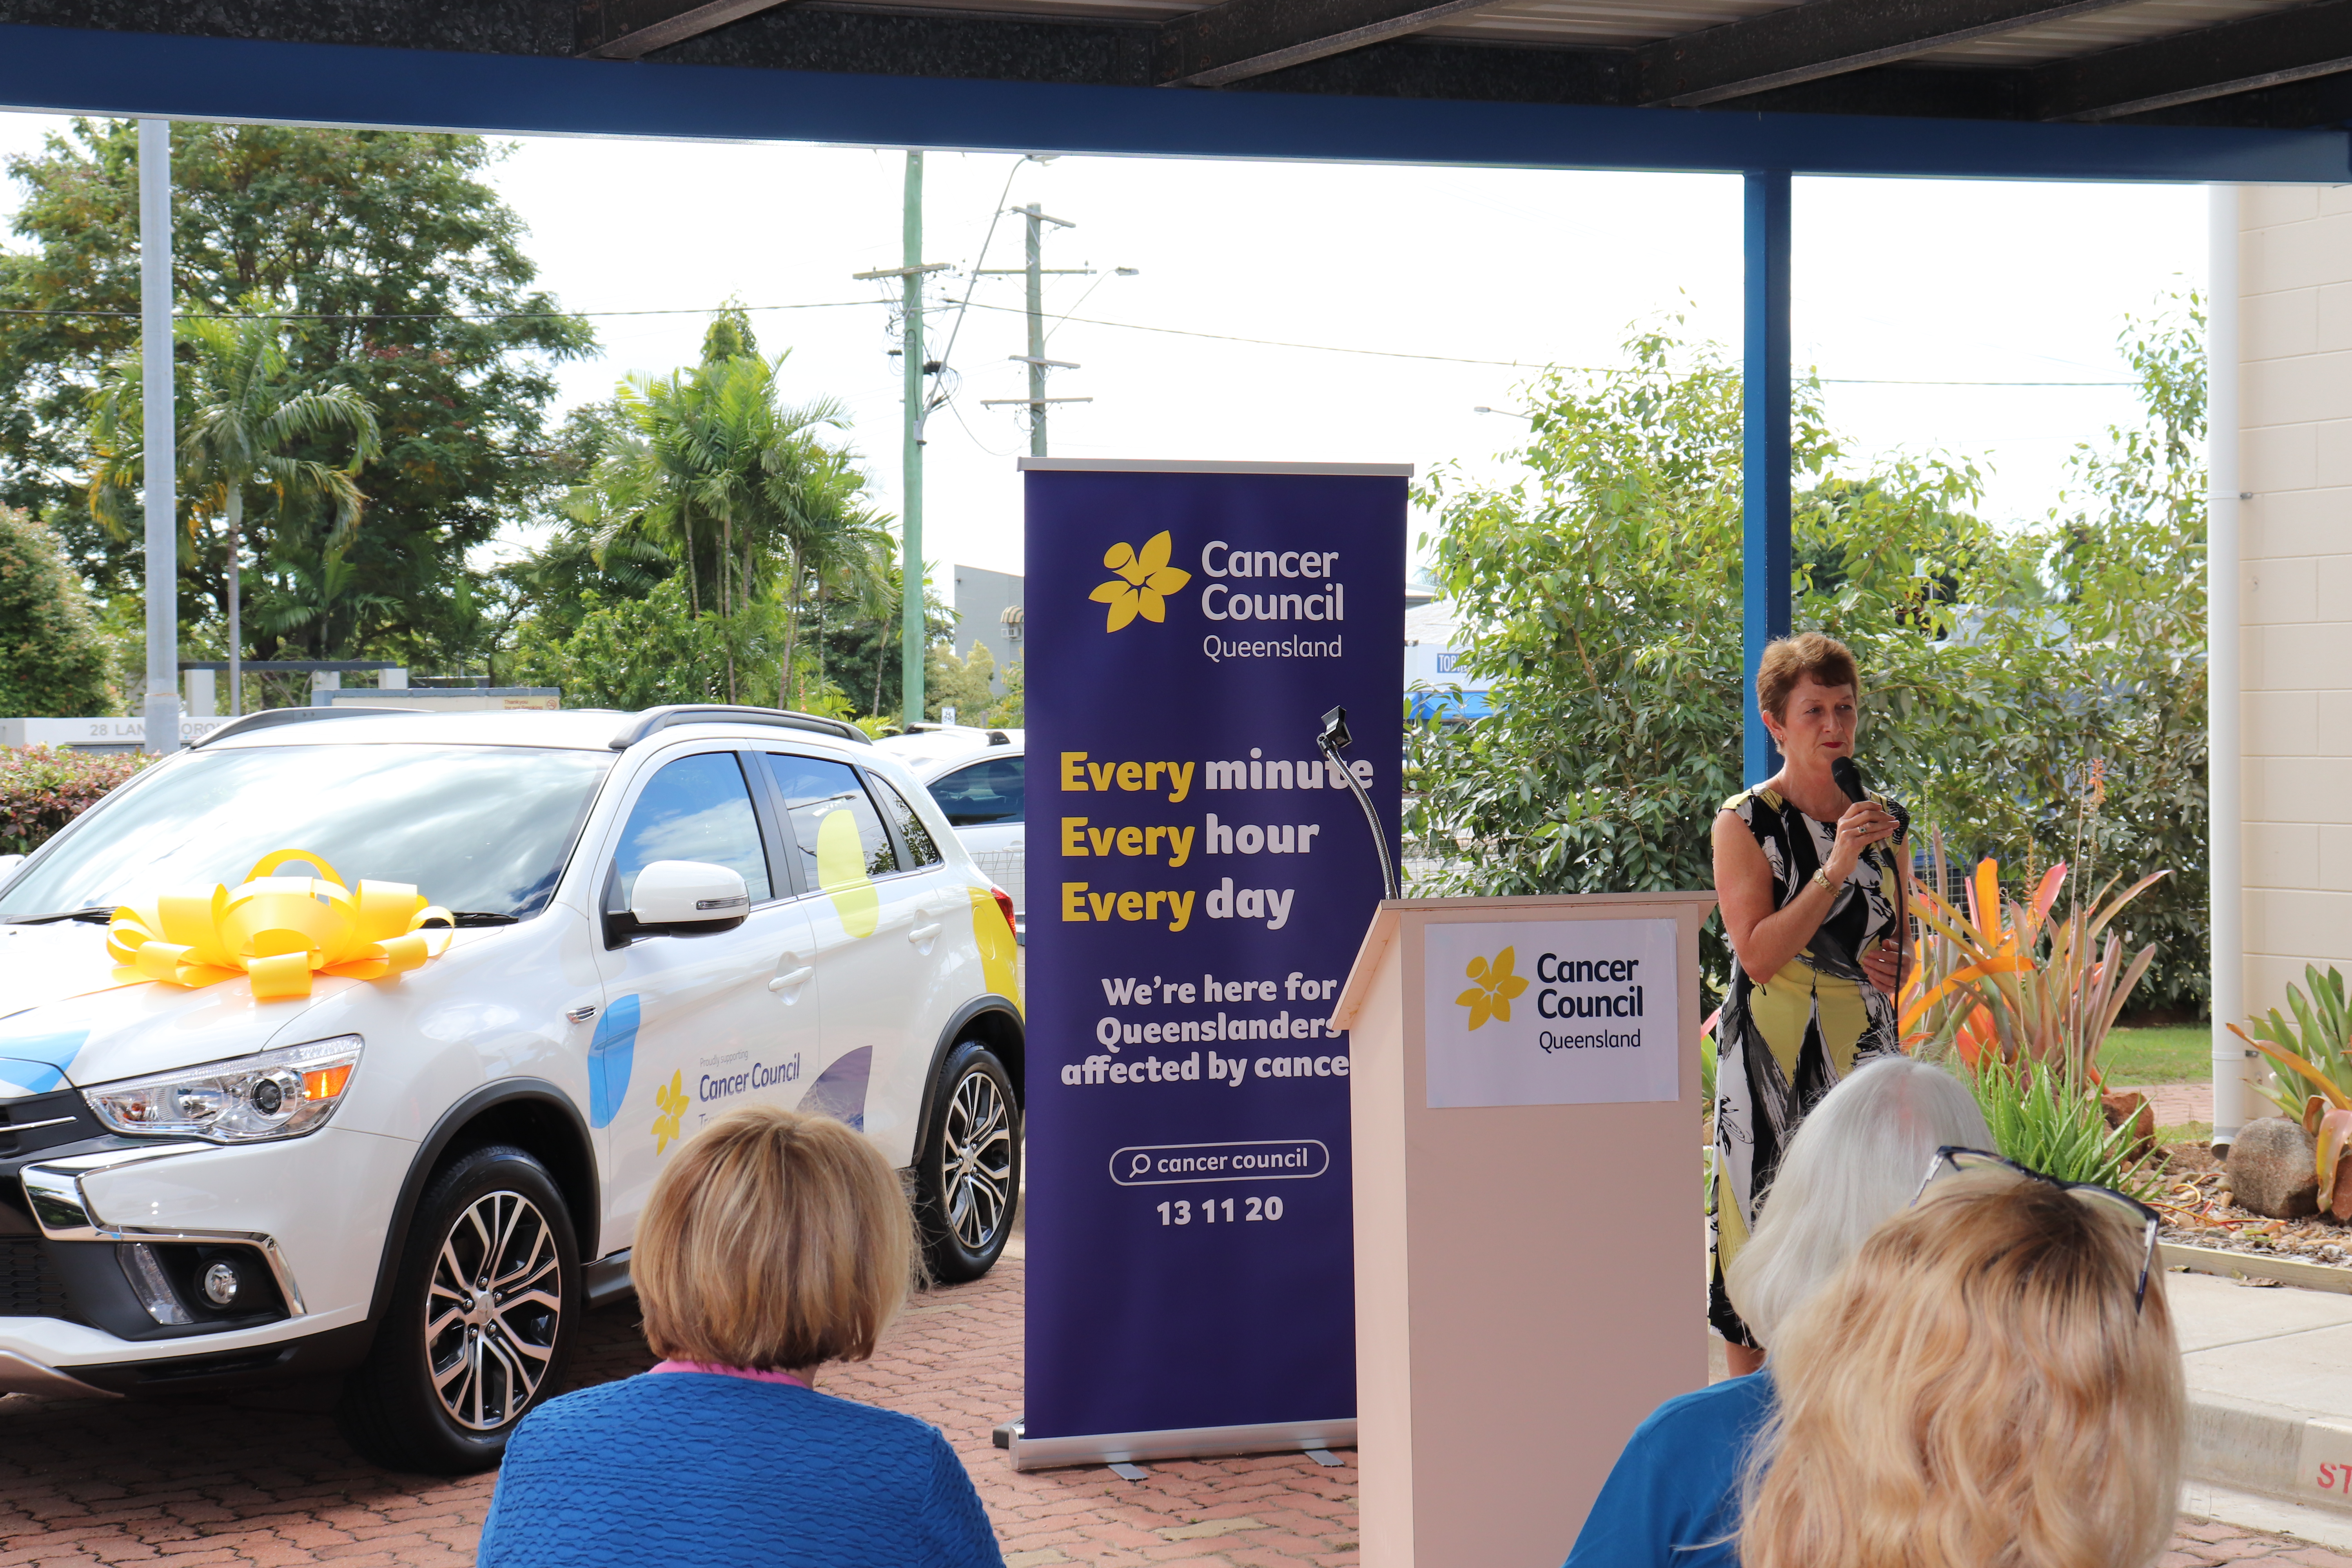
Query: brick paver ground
{"type": "Point", "coordinates": [2177, 1104]}
{"type": "Point", "coordinates": [268, 1483]}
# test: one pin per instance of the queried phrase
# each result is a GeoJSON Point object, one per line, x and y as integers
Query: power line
{"type": "Point", "coordinates": [970, 304]}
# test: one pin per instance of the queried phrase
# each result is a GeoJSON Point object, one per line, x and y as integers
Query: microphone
{"type": "Point", "coordinates": [1848, 778]}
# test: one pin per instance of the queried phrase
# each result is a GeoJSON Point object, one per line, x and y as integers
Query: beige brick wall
{"type": "Point", "coordinates": [2296, 353]}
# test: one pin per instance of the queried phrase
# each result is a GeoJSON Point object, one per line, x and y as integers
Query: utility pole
{"type": "Point", "coordinates": [914, 624]}
{"type": "Point", "coordinates": [159, 439]}
{"type": "Point", "coordinates": [1036, 272]}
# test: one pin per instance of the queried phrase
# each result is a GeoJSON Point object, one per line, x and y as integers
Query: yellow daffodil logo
{"type": "Point", "coordinates": [1144, 581]}
{"type": "Point", "coordinates": [1492, 987]}
{"type": "Point", "coordinates": [671, 1098]}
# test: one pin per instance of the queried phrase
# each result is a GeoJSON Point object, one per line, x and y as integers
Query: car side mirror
{"type": "Point", "coordinates": [688, 893]}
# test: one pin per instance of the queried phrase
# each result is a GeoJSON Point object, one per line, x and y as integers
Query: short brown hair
{"type": "Point", "coordinates": [1788, 660]}
{"type": "Point", "coordinates": [773, 1239]}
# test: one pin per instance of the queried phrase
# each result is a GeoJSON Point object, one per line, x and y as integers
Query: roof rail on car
{"type": "Point", "coordinates": [270, 718]}
{"type": "Point", "coordinates": [995, 737]}
{"type": "Point", "coordinates": [654, 719]}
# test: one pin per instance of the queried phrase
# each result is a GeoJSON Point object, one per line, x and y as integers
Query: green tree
{"type": "Point", "coordinates": [1600, 593]}
{"type": "Point", "coordinates": [638, 653]}
{"type": "Point", "coordinates": [1011, 707]}
{"type": "Point", "coordinates": [710, 464]}
{"type": "Point", "coordinates": [54, 663]}
{"type": "Point", "coordinates": [966, 684]}
{"type": "Point", "coordinates": [404, 279]}
{"type": "Point", "coordinates": [242, 421]}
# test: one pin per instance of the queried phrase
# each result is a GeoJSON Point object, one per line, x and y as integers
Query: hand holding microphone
{"type": "Point", "coordinates": [1868, 822]}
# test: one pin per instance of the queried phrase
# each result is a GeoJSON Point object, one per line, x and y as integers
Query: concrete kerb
{"type": "Point", "coordinates": [2269, 1372]}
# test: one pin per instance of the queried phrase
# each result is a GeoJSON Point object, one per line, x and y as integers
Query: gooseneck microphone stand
{"type": "Point", "coordinates": [1334, 740]}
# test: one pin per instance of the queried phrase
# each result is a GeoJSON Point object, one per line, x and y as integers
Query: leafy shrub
{"type": "Point", "coordinates": [2315, 1048]}
{"type": "Point", "coordinates": [2010, 980]}
{"type": "Point", "coordinates": [42, 788]}
{"type": "Point", "coordinates": [54, 660]}
{"type": "Point", "coordinates": [2052, 1123]}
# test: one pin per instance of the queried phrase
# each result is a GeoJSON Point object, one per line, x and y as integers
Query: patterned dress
{"type": "Point", "coordinates": [1782, 1044]}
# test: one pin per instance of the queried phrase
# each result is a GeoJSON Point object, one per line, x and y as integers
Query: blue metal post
{"type": "Point", "coordinates": [1764, 443]}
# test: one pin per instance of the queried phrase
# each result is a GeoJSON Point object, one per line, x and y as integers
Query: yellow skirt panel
{"type": "Point", "coordinates": [1781, 1011]}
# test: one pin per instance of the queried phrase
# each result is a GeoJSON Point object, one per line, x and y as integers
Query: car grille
{"type": "Point", "coordinates": [29, 1286]}
{"type": "Point", "coordinates": [45, 1120]}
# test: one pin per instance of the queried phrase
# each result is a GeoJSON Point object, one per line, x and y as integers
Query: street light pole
{"type": "Point", "coordinates": [159, 437]}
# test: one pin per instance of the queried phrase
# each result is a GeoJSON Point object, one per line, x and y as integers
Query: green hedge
{"type": "Point", "coordinates": [42, 788]}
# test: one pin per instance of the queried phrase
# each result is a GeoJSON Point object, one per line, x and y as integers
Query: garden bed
{"type": "Point", "coordinates": [2194, 1200]}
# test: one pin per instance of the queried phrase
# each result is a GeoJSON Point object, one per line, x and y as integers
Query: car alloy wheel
{"type": "Point", "coordinates": [977, 1157]}
{"type": "Point", "coordinates": [484, 1305]}
{"type": "Point", "coordinates": [968, 1173]}
{"type": "Point", "coordinates": [492, 1310]}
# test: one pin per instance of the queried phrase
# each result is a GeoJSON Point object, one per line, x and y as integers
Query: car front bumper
{"type": "Point", "coordinates": [314, 1211]}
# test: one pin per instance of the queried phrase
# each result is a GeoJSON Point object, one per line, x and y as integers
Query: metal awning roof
{"type": "Point", "coordinates": [2270, 63]}
{"type": "Point", "coordinates": [1948, 86]}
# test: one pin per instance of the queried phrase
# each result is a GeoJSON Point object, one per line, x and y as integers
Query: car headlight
{"type": "Point", "coordinates": [271, 1094]}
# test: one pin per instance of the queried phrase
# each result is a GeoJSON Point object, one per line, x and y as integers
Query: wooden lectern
{"type": "Point", "coordinates": [1529, 1232]}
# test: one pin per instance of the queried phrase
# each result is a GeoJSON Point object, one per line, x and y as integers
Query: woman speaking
{"type": "Point", "coordinates": [1813, 908]}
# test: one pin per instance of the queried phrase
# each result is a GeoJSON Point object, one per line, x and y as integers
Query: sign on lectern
{"type": "Point", "coordinates": [1553, 1012]}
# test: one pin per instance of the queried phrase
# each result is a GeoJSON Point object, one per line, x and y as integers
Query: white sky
{"type": "Point", "coordinates": [1935, 281]}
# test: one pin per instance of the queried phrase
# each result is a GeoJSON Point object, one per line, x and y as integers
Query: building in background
{"type": "Point", "coordinates": [988, 610]}
{"type": "Point", "coordinates": [1432, 682]}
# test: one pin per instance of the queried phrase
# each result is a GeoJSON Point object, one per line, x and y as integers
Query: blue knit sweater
{"type": "Point", "coordinates": [703, 1470]}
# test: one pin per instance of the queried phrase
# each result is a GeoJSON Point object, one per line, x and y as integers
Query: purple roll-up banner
{"type": "Point", "coordinates": [1199, 880]}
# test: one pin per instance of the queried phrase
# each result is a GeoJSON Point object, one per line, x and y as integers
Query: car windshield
{"type": "Point", "coordinates": [482, 828]}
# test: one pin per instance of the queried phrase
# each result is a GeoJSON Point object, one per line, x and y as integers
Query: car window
{"type": "Point", "coordinates": [982, 794]}
{"type": "Point", "coordinates": [815, 789]}
{"type": "Point", "coordinates": [485, 829]}
{"type": "Point", "coordinates": [911, 831]}
{"type": "Point", "coordinates": [696, 809]}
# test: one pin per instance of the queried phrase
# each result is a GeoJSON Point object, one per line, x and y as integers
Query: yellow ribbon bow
{"type": "Point", "coordinates": [279, 930]}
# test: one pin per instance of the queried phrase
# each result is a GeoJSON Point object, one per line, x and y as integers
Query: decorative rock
{"type": "Point", "coordinates": [2130, 1108]}
{"type": "Point", "coordinates": [2273, 1169]}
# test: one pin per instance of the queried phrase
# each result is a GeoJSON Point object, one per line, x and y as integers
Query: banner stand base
{"type": "Point", "coordinates": [1186, 1443]}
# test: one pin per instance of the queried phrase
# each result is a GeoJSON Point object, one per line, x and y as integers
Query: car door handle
{"type": "Point", "coordinates": [791, 977]}
{"type": "Point", "coordinates": [919, 934]}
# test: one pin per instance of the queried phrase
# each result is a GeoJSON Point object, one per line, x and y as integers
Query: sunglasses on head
{"type": "Point", "coordinates": [1951, 1158]}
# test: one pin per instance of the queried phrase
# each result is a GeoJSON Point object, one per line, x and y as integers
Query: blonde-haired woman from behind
{"type": "Point", "coordinates": [774, 1243]}
{"type": "Point", "coordinates": [1992, 1381]}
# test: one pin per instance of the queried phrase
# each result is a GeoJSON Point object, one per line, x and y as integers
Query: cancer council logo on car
{"type": "Point", "coordinates": [1492, 986]}
{"type": "Point", "coordinates": [1144, 582]}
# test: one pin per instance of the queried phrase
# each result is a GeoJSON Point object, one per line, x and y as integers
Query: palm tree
{"type": "Point", "coordinates": [715, 447]}
{"type": "Point", "coordinates": [837, 546]}
{"type": "Point", "coordinates": [244, 420]}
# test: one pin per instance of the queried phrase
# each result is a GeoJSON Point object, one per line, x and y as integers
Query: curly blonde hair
{"type": "Point", "coordinates": [1975, 1390]}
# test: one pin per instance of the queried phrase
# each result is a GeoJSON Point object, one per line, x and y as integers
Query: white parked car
{"type": "Point", "coordinates": [423, 1179]}
{"type": "Point", "coordinates": [976, 776]}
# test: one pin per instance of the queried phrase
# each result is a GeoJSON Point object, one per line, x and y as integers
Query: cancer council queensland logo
{"type": "Point", "coordinates": [1492, 986]}
{"type": "Point", "coordinates": [1143, 583]}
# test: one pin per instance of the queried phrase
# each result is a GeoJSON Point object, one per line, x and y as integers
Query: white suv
{"type": "Point", "coordinates": [977, 777]}
{"type": "Point", "coordinates": [423, 1179]}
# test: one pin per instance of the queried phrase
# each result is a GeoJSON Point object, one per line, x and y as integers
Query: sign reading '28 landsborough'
{"type": "Point", "coordinates": [1204, 880]}
{"type": "Point", "coordinates": [1556, 1013]}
